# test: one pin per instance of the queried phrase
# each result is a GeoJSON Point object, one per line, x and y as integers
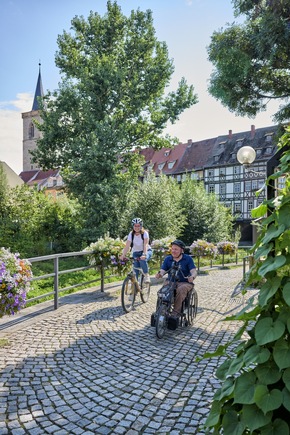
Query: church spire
{"type": "Point", "coordinates": [38, 91]}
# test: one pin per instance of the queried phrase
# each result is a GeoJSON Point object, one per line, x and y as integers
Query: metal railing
{"type": "Point", "coordinates": [56, 273]}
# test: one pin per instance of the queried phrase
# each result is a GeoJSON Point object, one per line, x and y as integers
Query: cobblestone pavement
{"type": "Point", "coordinates": [88, 368]}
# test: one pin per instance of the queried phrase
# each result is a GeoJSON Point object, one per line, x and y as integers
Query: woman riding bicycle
{"type": "Point", "coordinates": [138, 241]}
{"type": "Point", "coordinates": [186, 274]}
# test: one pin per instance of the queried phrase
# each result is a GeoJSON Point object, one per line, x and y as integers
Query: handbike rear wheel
{"type": "Point", "coordinates": [192, 306]}
{"type": "Point", "coordinates": [161, 321]}
{"type": "Point", "coordinates": [128, 294]}
{"type": "Point", "coordinates": [145, 290]}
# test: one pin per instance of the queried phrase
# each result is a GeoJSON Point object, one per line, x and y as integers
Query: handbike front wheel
{"type": "Point", "coordinates": [128, 294]}
{"type": "Point", "coordinates": [145, 290]}
{"type": "Point", "coordinates": [161, 321]}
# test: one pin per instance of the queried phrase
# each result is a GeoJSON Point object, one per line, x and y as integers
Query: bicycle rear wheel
{"type": "Point", "coordinates": [145, 290]}
{"type": "Point", "coordinates": [128, 294]}
{"type": "Point", "coordinates": [161, 321]}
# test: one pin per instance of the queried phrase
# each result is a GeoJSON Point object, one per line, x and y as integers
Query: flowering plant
{"type": "Point", "coordinates": [106, 251]}
{"type": "Point", "coordinates": [15, 277]}
{"type": "Point", "coordinates": [162, 246]}
{"type": "Point", "coordinates": [201, 248]}
{"type": "Point", "coordinates": [227, 247]}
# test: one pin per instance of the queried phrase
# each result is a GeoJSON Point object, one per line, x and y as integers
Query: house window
{"type": "Point", "coordinates": [160, 166]}
{"type": "Point", "coordinates": [247, 186]}
{"type": "Point", "coordinates": [210, 173]}
{"type": "Point", "coordinates": [237, 170]}
{"type": "Point", "coordinates": [171, 164]}
{"type": "Point", "coordinates": [237, 187]}
{"type": "Point", "coordinates": [268, 150]}
{"type": "Point", "coordinates": [254, 184]}
{"type": "Point", "coordinates": [223, 189]}
{"type": "Point", "coordinates": [258, 152]}
{"type": "Point", "coordinates": [31, 131]}
{"type": "Point", "coordinates": [178, 178]}
{"type": "Point", "coordinates": [269, 138]}
{"type": "Point", "coordinates": [216, 158]}
{"type": "Point", "coordinates": [237, 207]}
{"type": "Point", "coordinates": [250, 205]}
{"type": "Point", "coordinates": [211, 188]}
{"type": "Point", "coordinates": [166, 153]}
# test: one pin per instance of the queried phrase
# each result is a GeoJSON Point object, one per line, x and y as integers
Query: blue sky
{"type": "Point", "coordinates": [28, 34]}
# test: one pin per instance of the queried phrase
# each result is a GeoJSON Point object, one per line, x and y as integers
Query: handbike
{"type": "Point", "coordinates": [165, 302]}
{"type": "Point", "coordinates": [132, 285]}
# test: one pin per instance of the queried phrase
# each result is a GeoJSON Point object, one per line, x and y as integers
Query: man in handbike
{"type": "Point", "coordinates": [186, 275]}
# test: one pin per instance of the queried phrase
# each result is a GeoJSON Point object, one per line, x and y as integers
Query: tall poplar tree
{"type": "Point", "coordinates": [111, 99]}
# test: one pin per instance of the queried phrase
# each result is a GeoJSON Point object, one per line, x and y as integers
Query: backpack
{"type": "Point", "coordinates": [142, 235]}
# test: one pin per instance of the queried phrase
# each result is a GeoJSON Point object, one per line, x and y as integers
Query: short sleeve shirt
{"type": "Point", "coordinates": [138, 241]}
{"type": "Point", "coordinates": [186, 264]}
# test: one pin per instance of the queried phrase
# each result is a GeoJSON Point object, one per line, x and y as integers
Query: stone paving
{"type": "Point", "coordinates": [89, 368]}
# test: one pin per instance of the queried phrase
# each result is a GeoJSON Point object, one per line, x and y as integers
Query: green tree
{"type": "Point", "coordinates": [158, 202]}
{"type": "Point", "coordinates": [206, 217]}
{"type": "Point", "coordinates": [111, 99]}
{"type": "Point", "coordinates": [251, 60]}
{"type": "Point", "coordinates": [255, 394]}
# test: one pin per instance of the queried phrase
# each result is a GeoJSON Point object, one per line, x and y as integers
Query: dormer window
{"type": "Point", "coordinates": [258, 152]}
{"type": "Point", "coordinates": [166, 153]}
{"type": "Point", "coordinates": [269, 150]}
{"type": "Point", "coordinates": [171, 164]}
{"type": "Point", "coordinates": [161, 166]}
{"type": "Point", "coordinates": [268, 137]}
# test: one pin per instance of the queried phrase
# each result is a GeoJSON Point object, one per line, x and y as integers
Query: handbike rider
{"type": "Point", "coordinates": [186, 275]}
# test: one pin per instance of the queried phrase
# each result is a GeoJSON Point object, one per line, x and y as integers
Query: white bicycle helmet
{"type": "Point", "coordinates": [137, 221]}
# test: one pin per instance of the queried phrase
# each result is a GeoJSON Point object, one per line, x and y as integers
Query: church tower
{"type": "Point", "coordinates": [30, 131]}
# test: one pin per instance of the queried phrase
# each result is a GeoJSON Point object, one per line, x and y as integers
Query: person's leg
{"type": "Point", "coordinates": [181, 292]}
{"type": "Point", "coordinates": [137, 263]}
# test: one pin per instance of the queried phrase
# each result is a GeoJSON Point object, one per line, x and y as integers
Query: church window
{"type": "Point", "coordinates": [31, 131]}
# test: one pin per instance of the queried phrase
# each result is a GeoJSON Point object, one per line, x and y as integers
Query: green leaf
{"type": "Point", "coordinates": [267, 400]}
{"type": "Point", "coordinates": [232, 425]}
{"type": "Point", "coordinates": [254, 418]}
{"type": "Point", "coordinates": [267, 330]}
{"type": "Point", "coordinates": [259, 211]}
{"type": "Point", "coordinates": [268, 373]}
{"type": "Point", "coordinates": [283, 216]}
{"type": "Point", "coordinates": [226, 389]}
{"type": "Point", "coordinates": [272, 263]}
{"type": "Point", "coordinates": [222, 370]}
{"type": "Point", "coordinates": [286, 398]}
{"type": "Point", "coordinates": [281, 354]}
{"type": "Point", "coordinates": [269, 289]}
{"type": "Point", "coordinates": [273, 232]}
{"type": "Point", "coordinates": [214, 414]}
{"type": "Point", "coordinates": [263, 250]}
{"type": "Point", "coordinates": [286, 293]}
{"type": "Point", "coordinates": [278, 427]}
{"type": "Point", "coordinates": [235, 365]}
{"type": "Point", "coordinates": [286, 378]}
{"type": "Point", "coordinates": [256, 354]}
{"type": "Point", "coordinates": [245, 388]}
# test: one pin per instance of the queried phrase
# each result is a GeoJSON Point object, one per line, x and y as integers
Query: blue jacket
{"type": "Point", "coordinates": [186, 264]}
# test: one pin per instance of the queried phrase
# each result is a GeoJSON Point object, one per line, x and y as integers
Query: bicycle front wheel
{"type": "Point", "coordinates": [161, 321]}
{"type": "Point", "coordinates": [128, 294]}
{"type": "Point", "coordinates": [145, 290]}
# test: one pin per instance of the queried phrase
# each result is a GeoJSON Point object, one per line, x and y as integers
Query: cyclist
{"type": "Point", "coordinates": [186, 274]}
{"type": "Point", "coordinates": [138, 241]}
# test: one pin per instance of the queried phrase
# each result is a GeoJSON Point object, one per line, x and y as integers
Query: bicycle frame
{"type": "Point", "coordinates": [133, 284]}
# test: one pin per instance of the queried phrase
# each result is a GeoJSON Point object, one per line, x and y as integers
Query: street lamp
{"type": "Point", "coordinates": [246, 155]}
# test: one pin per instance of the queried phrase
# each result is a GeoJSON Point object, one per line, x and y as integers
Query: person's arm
{"type": "Point", "coordinates": [160, 273]}
{"type": "Point", "coordinates": [193, 275]}
{"type": "Point", "coordinates": [126, 249]}
{"type": "Point", "coordinates": [145, 247]}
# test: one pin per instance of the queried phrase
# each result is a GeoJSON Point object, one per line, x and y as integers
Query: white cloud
{"type": "Point", "coordinates": [11, 130]}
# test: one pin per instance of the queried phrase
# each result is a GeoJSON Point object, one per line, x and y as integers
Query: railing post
{"type": "Point", "coordinates": [55, 262]}
{"type": "Point", "coordinates": [102, 277]}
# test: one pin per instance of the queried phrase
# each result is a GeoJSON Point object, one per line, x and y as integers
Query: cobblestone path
{"type": "Point", "coordinates": [88, 368]}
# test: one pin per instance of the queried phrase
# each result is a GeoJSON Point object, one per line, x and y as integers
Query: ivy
{"type": "Point", "coordinates": [254, 397]}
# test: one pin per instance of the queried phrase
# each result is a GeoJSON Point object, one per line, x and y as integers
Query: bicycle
{"type": "Point", "coordinates": [165, 303]}
{"type": "Point", "coordinates": [133, 285]}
